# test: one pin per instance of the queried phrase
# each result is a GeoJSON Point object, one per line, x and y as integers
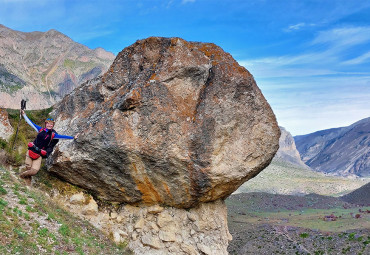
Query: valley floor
{"type": "Point", "coordinates": [284, 178]}
{"type": "Point", "coordinates": [263, 223]}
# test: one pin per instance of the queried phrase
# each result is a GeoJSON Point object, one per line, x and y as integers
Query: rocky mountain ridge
{"type": "Point", "coordinates": [340, 151]}
{"type": "Point", "coordinates": [42, 67]}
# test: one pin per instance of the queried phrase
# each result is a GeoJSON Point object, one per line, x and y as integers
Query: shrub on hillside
{"type": "Point", "coordinates": [3, 144]}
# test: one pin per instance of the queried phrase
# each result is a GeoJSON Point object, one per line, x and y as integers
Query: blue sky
{"type": "Point", "coordinates": [311, 59]}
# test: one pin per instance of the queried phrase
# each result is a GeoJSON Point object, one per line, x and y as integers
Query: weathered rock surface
{"type": "Point", "coordinates": [78, 198]}
{"type": "Point", "coordinates": [147, 230]}
{"type": "Point", "coordinates": [172, 122]}
{"type": "Point", "coordinates": [6, 129]}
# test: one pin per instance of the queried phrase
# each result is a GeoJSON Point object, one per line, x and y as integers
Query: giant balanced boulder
{"type": "Point", "coordinates": [172, 122]}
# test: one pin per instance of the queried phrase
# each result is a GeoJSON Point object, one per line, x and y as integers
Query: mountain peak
{"type": "Point", "coordinates": [50, 64]}
{"type": "Point", "coordinates": [54, 32]}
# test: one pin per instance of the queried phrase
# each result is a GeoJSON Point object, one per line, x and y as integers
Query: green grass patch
{"type": "Point", "coordinates": [20, 233]}
{"type": "Point", "coordinates": [3, 204]}
{"type": "Point", "coordinates": [51, 216]}
{"type": "Point", "coordinates": [304, 235]}
{"type": "Point", "coordinates": [23, 200]}
{"type": "Point", "coordinates": [17, 211]}
{"type": "Point", "coordinates": [16, 188]}
{"type": "Point", "coordinates": [30, 209]}
{"type": "Point", "coordinates": [75, 64]}
{"type": "Point", "coordinates": [43, 232]}
{"type": "Point", "coordinates": [64, 230]}
{"type": "Point", "coordinates": [26, 216]}
{"type": "Point", "coordinates": [3, 191]}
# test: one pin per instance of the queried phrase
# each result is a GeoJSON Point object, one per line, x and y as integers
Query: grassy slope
{"type": "Point", "coordinates": [31, 223]}
{"type": "Point", "coordinates": [283, 178]}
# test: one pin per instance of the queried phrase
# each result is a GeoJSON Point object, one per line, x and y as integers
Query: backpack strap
{"type": "Point", "coordinates": [52, 136]}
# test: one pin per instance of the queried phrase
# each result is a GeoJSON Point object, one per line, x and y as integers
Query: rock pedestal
{"type": "Point", "coordinates": [158, 230]}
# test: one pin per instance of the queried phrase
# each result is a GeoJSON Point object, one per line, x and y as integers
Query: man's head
{"type": "Point", "coordinates": [49, 123]}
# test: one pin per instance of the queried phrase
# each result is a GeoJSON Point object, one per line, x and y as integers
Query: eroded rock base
{"type": "Point", "coordinates": [158, 230]}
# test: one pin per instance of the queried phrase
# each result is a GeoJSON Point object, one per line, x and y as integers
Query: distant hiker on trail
{"type": "Point", "coordinates": [41, 147]}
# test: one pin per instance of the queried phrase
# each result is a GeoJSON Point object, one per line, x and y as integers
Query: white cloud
{"type": "Point", "coordinates": [317, 90]}
{"type": "Point", "coordinates": [359, 60]}
{"type": "Point", "coordinates": [306, 120]}
{"type": "Point", "coordinates": [305, 105]}
{"type": "Point", "coordinates": [316, 63]}
{"type": "Point", "coordinates": [295, 27]}
{"type": "Point", "coordinates": [326, 60]}
{"type": "Point", "coordinates": [298, 26]}
{"type": "Point", "coordinates": [346, 36]}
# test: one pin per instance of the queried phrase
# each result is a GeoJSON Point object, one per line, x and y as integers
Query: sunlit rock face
{"type": "Point", "coordinates": [287, 150]}
{"type": "Point", "coordinates": [171, 122]}
{"type": "Point", "coordinates": [6, 129]}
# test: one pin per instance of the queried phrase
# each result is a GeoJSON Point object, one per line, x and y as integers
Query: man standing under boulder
{"type": "Point", "coordinates": [41, 147]}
